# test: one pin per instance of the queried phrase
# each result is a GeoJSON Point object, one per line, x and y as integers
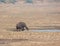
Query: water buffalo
{"type": "Point", "coordinates": [21, 26]}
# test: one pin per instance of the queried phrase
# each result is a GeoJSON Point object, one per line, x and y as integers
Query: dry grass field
{"type": "Point", "coordinates": [33, 17]}
{"type": "Point", "coordinates": [29, 39]}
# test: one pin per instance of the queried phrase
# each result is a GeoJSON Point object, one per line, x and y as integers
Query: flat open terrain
{"type": "Point", "coordinates": [34, 17]}
{"type": "Point", "coordinates": [29, 39]}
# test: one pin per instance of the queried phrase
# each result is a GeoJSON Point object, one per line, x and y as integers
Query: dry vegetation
{"type": "Point", "coordinates": [9, 16]}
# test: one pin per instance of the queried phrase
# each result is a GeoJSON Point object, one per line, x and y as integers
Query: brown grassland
{"type": "Point", "coordinates": [10, 16]}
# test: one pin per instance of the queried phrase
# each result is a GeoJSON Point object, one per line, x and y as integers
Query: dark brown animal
{"type": "Point", "coordinates": [21, 26]}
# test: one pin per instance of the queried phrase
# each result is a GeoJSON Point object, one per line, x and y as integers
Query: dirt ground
{"type": "Point", "coordinates": [26, 38]}
{"type": "Point", "coordinates": [33, 17]}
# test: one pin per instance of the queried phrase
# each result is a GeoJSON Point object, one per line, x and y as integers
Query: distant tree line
{"type": "Point", "coordinates": [7, 1]}
{"type": "Point", "coordinates": [27, 1]}
{"type": "Point", "coordinates": [14, 1]}
{"type": "Point", "coordinates": [53, 1]}
{"type": "Point", "coordinates": [48, 1]}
